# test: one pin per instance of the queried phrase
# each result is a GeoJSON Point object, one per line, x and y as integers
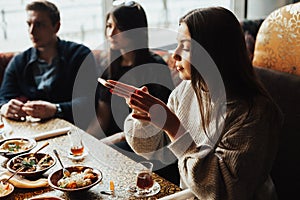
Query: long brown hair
{"type": "Point", "coordinates": [130, 17]}
{"type": "Point", "coordinates": [218, 31]}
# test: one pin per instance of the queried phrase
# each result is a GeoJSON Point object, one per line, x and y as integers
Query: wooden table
{"type": "Point", "coordinates": [114, 165]}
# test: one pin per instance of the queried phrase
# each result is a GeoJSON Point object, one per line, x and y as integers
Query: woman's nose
{"type": "Point", "coordinates": [176, 57]}
{"type": "Point", "coordinates": [111, 31]}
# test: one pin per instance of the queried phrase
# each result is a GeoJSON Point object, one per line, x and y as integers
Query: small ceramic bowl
{"type": "Point", "coordinates": [31, 170]}
{"type": "Point", "coordinates": [4, 191]}
{"type": "Point", "coordinates": [11, 147]}
{"type": "Point", "coordinates": [58, 175]}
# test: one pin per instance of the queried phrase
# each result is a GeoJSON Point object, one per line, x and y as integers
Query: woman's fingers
{"type": "Point", "coordinates": [143, 103]}
{"type": "Point", "coordinates": [141, 117]}
{"type": "Point", "coordinates": [120, 93]}
{"type": "Point", "coordinates": [144, 89]}
{"type": "Point", "coordinates": [138, 106]}
{"type": "Point", "coordinates": [146, 107]}
{"type": "Point", "coordinates": [122, 85]}
{"type": "Point", "coordinates": [145, 98]}
{"type": "Point", "coordinates": [156, 114]}
{"type": "Point", "coordinates": [127, 91]}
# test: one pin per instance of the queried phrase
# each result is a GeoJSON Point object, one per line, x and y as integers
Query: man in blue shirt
{"type": "Point", "coordinates": [39, 82]}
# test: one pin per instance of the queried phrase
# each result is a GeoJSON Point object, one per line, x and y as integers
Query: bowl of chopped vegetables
{"type": "Point", "coordinates": [34, 165]}
{"type": "Point", "coordinates": [11, 147]}
{"type": "Point", "coordinates": [6, 189]}
{"type": "Point", "coordinates": [81, 178]}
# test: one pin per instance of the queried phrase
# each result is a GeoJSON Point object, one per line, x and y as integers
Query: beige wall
{"type": "Point", "coordinates": [257, 8]}
{"type": "Point", "coordinates": [262, 8]}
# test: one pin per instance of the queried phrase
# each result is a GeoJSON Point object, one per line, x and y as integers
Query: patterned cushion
{"type": "Point", "coordinates": [278, 40]}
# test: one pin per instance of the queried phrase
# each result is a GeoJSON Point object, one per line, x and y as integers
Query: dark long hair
{"type": "Point", "coordinates": [219, 32]}
{"type": "Point", "coordinates": [130, 17]}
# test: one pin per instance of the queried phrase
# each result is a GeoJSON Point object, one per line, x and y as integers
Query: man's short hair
{"type": "Point", "coordinates": [45, 6]}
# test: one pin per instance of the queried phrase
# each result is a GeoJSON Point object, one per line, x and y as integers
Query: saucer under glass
{"type": "Point", "coordinates": [144, 193]}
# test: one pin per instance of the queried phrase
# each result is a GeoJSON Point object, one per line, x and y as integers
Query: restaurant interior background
{"type": "Point", "coordinates": [82, 20]}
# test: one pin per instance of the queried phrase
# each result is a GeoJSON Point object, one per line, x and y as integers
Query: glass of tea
{"type": "Point", "coordinates": [144, 180]}
{"type": "Point", "coordinates": [76, 144]}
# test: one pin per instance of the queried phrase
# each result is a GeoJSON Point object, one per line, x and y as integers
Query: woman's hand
{"type": "Point", "coordinates": [121, 89]}
{"type": "Point", "coordinates": [125, 91]}
{"type": "Point", "coordinates": [156, 112]}
{"type": "Point", "coordinates": [149, 108]}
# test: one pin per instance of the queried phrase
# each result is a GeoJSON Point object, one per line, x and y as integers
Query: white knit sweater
{"type": "Point", "coordinates": [237, 168]}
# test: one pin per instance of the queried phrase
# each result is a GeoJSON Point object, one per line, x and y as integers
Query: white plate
{"type": "Point", "coordinates": [153, 191]}
{"type": "Point", "coordinates": [10, 190]}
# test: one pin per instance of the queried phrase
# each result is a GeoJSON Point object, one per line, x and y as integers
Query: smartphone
{"type": "Point", "coordinates": [120, 89]}
{"type": "Point", "coordinates": [105, 83]}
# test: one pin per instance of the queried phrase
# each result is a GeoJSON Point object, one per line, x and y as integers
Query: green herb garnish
{"type": "Point", "coordinates": [28, 164]}
{"type": "Point", "coordinates": [12, 147]}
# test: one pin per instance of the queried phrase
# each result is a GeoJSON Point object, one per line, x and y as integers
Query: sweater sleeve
{"type": "Point", "coordinates": [148, 140]}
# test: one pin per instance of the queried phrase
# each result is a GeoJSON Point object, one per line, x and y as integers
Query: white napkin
{"type": "Point", "coordinates": [51, 133]}
{"type": "Point", "coordinates": [20, 182]}
{"type": "Point", "coordinates": [182, 195]}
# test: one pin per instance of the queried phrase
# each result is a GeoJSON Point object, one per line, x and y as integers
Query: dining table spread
{"type": "Point", "coordinates": [116, 168]}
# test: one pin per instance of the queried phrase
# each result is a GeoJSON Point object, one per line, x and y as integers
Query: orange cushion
{"type": "Point", "coordinates": [278, 40]}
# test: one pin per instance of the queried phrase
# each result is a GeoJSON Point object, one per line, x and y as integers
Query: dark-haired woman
{"type": "Point", "coordinates": [224, 133]}
{"type": "Point", "coordinates": [129, 60]}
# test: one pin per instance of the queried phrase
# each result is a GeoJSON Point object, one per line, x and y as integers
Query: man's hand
{"type": "Point", "coordinates": [13, 110]}
{"type": "Point", "coordinates": [39, 109]}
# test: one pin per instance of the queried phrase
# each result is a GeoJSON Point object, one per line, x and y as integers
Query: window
{"type": "Point", "coordinates": [83, 20]}
{"type": "Point", "coordinates": [166, 13]}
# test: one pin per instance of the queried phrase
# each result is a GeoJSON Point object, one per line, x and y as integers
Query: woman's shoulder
{"type": "Point", "coordinates": [262, 102]}
{"type": "Point", "coordinates": [261, 108]}
{"type": "Point", "coordinates": [267, 106]}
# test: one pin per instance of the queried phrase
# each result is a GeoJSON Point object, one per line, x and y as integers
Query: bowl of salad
{"type": "Point", "coordinates": [11, 147]}
{"type": "Point", "coordinates": [34, 165]}
{"type": "Point", "coordinates": [81, 178]}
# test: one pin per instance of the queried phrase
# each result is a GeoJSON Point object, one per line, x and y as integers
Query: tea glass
{"type": "Point", "coordinates": [144, 180]}
{"type": "Point", "coordinates": [76, 144]}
